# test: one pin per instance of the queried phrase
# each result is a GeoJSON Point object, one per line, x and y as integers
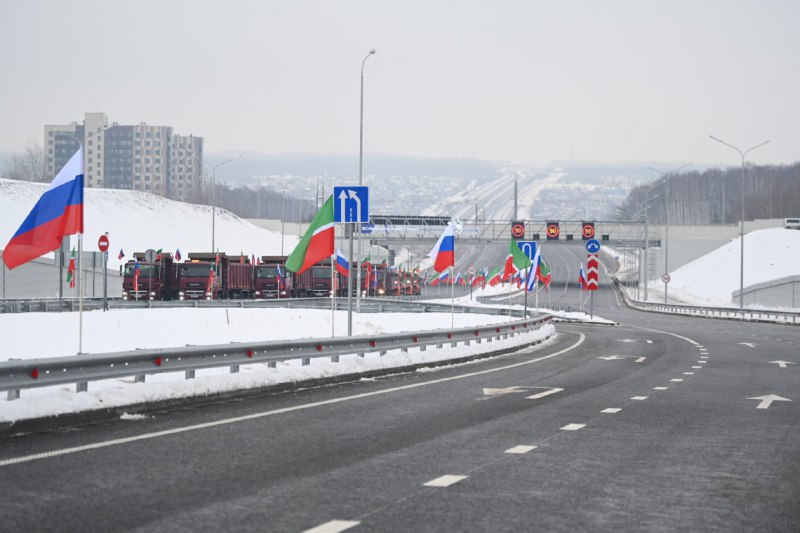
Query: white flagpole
{"type": "Point", "coordinates": [80, 293]}
{"type": "Point", "coordinates": [452, 296]}
{"type": "Point", "coordinates": [334, 286]}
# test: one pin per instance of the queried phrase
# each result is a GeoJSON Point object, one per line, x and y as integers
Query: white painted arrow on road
{"type": "Point", "coordinates": [750, 344]}
{"type": "Point", "coordinates": [507, 390]}
{"type": "Point", "coordinates": [782, 364]}
{"type": "Point", "coordinates": [552, 390]}
{"type": "Point", "coordinates": [766, 401]}
{"type": "Point", "coordinates": [616, 357]}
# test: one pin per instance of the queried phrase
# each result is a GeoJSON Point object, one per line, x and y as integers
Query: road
{"type": "Point", "coordinates": [661, 423]}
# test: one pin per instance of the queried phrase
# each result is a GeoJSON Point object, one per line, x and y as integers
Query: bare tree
{"type": "Point", "coordinates": [27, 165]}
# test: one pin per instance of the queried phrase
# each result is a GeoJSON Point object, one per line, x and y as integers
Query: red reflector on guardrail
{"type": "Point", "coordinates": [319, 347]}
{"type": "Point", "coordinates": [35, 373]}
{"type": "Point", "coordinates": [158, 360]}
{"type": "Point", "coordinates": [250, 353]}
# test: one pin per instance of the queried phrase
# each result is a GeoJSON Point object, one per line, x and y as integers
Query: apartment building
{"type": "Point", "coordinates": [140, 158]}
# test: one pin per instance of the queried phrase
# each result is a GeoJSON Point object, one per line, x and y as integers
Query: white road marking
{"type": "Point", "coordinates": [573, 427]}
{"type": "Point", "coordinates": [649, 341]}
{"type": "Point", "coordinates": [767, 400]}
{"type": "Point", "coordinates": [640, 360]}
{"type": "Point", "coordinates": [678, 380]}
{"type": "Point", "coordinates": [750, 344]}
{"type": "Point", "coordinates": [334, 526]}
{"type": "Point", "coordinates": [507, 390]}
{"type": "Point", "coordinates": [611, 410]}
{"type": "Point", "coordinates": [639, 398]}
{"type": "Point", "coordinates": [660, 388]}
{"type": "Point", "coordinates": [444, 481]}
{"type": "Point", "coordinates": [696, 367]}
{"type": "Point", "coordinates": [688, 373]}
{"type": "Point", "coordinates": [254, 416]}
{"type": "Point", "coordinates": [782, 364]}
{"type": "Point", "coordinates": [553, 390]}
{"type": "Point", "coordinates": [702, 362]}
{"type": "Point", "coordinates": [520, 449]}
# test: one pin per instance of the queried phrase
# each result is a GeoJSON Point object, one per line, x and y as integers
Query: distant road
{"type": "Point", "coordinates": [664, 423]}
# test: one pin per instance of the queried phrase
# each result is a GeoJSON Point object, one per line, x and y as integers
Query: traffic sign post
{"type": "Point", "coordinates": [102, 245]}
{"type": "Point", "coordinates": [351, 206]}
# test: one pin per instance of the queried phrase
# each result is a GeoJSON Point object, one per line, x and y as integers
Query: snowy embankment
{"type": "Point", "coordinates": [769, 254]}
{"type": "Point", "coordinates": [56, 334]}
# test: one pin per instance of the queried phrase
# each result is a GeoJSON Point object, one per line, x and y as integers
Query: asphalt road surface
{"type": "Point", "coordinates": [661, 423]}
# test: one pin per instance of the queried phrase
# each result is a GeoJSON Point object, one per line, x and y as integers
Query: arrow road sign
{"type": "Point", "coordinates": [593, 246]}
{"type": "Point", "coordinates": [529, 247]}
{"type": "Point", "coordinates": [767, 400]}
{"type": "Point", "coordinates": [351, 204]}
{"type": "Point", "coordinates": [782, 364]}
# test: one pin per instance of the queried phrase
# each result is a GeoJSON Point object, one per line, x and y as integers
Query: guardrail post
{"type": "Point", "coordinates": [382, 353]}
{"type": "Point", "coordinates": [234, 369]}
{"type": "Point", "coordinates": [13, 395]}
{"type": "Point", "coordinates": [190, 374]}
{"type": "Point", "coordinates": [334, 359]}
{"type": "Point", "coordinates": [453, 344]}
{"type": "Point", "coordinates": [82, 386]}
{"type": "Point", "coordinates": [306, 361]}
{"type": "Point", "coordinates": [439, 345]}
{"type": "Point", "coordinates": [272, 364]}
{"type": "Point", "coordinates": [139, 378]}
{"type": "Point", "coordinates": [423, 348]}
{"type": "Point", "coordinates": [361, 354]}
{"type": "Point", "coordinates": [404, 350]}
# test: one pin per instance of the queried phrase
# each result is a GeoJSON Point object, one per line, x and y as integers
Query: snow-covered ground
{"type": "Point", "coordinates": [710, 280]}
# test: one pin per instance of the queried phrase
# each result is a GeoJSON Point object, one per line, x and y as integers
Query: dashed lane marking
{"type": "Point", "coordinates": [520, 449]}
{"type": "Point", "coordinates": [445, 481]}
{"type": "Point", "coordinates": [334, 526]}
{"type": "Point", "coordinates": [573, 427]}
{"type": "Point", "coordinates": [660, 388]}
{"type": "Point", "coordinates": [611, 410]}
{"type": "Point", "coordinates": [639, 398]}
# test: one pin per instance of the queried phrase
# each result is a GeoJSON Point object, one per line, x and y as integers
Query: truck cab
{"type": "Point", "coordinates": [156, 280]}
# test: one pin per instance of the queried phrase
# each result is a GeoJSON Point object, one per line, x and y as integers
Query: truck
{"type": "Point", "coordinates": [265, 281]}
{"type": "Point", "coordinates": [209, 276]}
{"type": "Point", "coordinates": [157, 280]}
{"type": "Point", "coordinates": [317, 281]}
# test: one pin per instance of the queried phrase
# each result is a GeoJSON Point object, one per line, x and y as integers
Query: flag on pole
{"type": "Point", "coordinates": [178, 254]}
{"type": "Point", "coordinates": [210, 282]}
{"type": "Point", "coordinates": [443, 252]}
{"type": "Point", "coordinates": [281, 284]}
{"type": "Point", "coordinates": [342, 266]}
{"type": "Point", "coordinates": [71, 270]}
{"type": "Point", "coordinates": [135, 275]}
{"type": "Point", "coordinates": [516, 260]}
{"type": "Point", "coordinates": [494, 277]}
{"type": "Point", "coordinates": [533, 270]}
{"type": "Point", "coordinates": [121, 254]}
{"type": "Point", "coordinates": [317, 243]}
{"type": "Point", "coordinates": [58, 213]}
{"type": "Point", "coordinates": [543, 271]}
{"type": "Point", "coordinates": [582, 279]}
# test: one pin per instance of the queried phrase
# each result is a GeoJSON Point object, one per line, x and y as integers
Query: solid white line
{"type": "Point", "coordinates": [611, 410]}
{"type": "Point", "coordinates": [573, 427]}
{"type": "Point", "coordinates": [334, 526]}
{"type": "Point", "coordinates": [254, 416]}
{"type": "Point", "coordinates": [520, 449]}
{"type": "Point", "coordinates": [639, 398]}
{"type": "Point", "coordinates": [444, 481]}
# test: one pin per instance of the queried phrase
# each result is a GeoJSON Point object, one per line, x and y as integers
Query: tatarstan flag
{"type": "Point", "coordinates": [494, 277]}
{"type": "Point", "coordinates": [516, 260]}
{"type": "Point", "coordinates": [317, 243]}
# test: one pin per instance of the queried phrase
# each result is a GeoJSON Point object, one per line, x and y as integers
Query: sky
{"type": "Point", "coordinates": [524, 82]}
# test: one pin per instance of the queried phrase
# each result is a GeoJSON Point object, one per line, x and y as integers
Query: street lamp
{"type": "Point", "coordinates": [666, 176]}
{"type": "Point", "coordinates": [647, 234]}
{"type": "Point", "coordinates": [357, 263]}
{"type": "Point", "coordinates": [741, 222]}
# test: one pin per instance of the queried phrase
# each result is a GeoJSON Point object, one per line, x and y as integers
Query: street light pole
{"type": "Point", "coordinates": [741, 222]}
{"type": "Point", "coordinates": [213, 206]}
{"type": "Point", "coordinates": [357, 262]}
{"type": "Point", "coordinates": [666, 176]}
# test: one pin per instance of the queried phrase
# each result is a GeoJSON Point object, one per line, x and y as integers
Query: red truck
{"type": "Point", "coordinates": [317, 281]}
{"type": "Point", "coordinates": [266, 283]}
{"type": "Point", "coordinates": [207, 276]}
{"type": "Point", "coordinates": [156, 281]}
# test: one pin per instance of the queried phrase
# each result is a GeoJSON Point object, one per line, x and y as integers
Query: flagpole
{"type": "Point", "coordinates": [527, 284]}
{"type": "Point", "coordinates": [80, 293]}
{"type": "Point", "coordinates": [452, 296]}
{"type": "Point", "coordinates": [334, 281]}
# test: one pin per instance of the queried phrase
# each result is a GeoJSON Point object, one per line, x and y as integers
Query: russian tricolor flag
{"type": "Point", "coordinates": [342, 266]}
{"type": "Point", "coordinates": [443, 253]}
{"type": "Point", "coordinates": [59, 212]}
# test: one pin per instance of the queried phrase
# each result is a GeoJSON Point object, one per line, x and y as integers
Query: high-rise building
{"type": "Point", "coordinates": [141, 158]}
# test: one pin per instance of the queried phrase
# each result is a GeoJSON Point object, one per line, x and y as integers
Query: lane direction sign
{"type": "Point", "coordinates": [592, 246]}
{"type": "Point", "coordinates": [351, 204]}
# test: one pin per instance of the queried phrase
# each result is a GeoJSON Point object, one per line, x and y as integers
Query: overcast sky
{"type": "Point", "coordinates": [516, 81]}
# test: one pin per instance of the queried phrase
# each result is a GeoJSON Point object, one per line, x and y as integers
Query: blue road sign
{"type": "Point", "coordinates": [529, 247]}
{"type": "Point", "coordinates": [593, 246]}
{"type": "Point", "coordinates": [367, 228]}
{"type": "Point", "coordinates": [350, 204]}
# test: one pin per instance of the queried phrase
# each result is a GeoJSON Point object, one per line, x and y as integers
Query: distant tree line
{"type": "Point", "coordinates": [714, 196]}
{"type": "Point", "coordinates": [27, 165]}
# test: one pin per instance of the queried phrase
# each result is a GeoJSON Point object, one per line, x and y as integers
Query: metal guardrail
{"type": "Point", "coordinates": [81, 369]}
{"type": "Point", "coordinates": [727, 313]}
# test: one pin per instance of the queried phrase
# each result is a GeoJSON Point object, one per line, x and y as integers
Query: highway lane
{"type": "Point", "coordinates": [654, 428]}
